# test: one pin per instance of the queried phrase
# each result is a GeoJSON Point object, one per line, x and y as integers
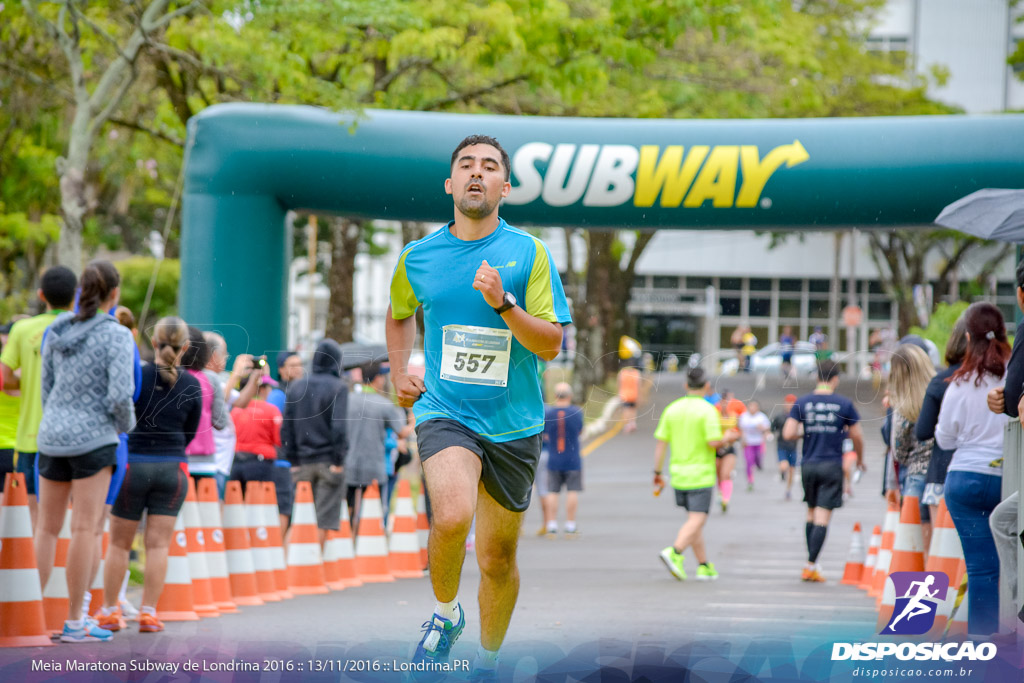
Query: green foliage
{"type": "Point", "coordinates": [135, 275]}
{"type": "Point", "coordinates": [940, 326]}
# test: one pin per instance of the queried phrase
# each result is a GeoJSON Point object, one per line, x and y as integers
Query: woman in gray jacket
{"type": "Point", "coordinates": [87, 386]}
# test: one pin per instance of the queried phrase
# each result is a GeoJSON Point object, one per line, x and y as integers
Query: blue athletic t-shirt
{"type": "Point", "coordinates": [562, 427]}
{"type": "Point", "coordinates": [826, 418]}
{"type": "Point", "coordinates": [477, 373]}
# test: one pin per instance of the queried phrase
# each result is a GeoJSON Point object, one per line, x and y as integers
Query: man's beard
{"type": "Point", "coordinates": [475, 209]}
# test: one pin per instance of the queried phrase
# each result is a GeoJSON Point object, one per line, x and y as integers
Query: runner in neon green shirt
{"type": "Point", "coordinates": [692, 429]}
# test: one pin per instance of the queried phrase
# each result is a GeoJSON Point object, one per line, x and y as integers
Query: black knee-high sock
{"type": "Point", "coordinates": [816, 542]}
{"type": "Point", "coordinates": [807, 534]}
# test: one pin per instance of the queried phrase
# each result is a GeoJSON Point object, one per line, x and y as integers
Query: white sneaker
{"type": "Point", "coordinates": [129, 611]}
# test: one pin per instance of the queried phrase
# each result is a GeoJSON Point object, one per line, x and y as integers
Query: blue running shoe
{"type": "Point", "coordinates": [89, 633]}
{"type": "Point", "coordinates": [481, 675]}
{"type": "Point", "coordinates": [439, 634]}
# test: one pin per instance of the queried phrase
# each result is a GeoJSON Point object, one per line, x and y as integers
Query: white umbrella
{"type": "Point", "coordinates": [991, 214]}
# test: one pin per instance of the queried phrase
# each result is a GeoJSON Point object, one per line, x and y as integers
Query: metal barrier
{"type": "Point", "coordinates": [1013, 481]}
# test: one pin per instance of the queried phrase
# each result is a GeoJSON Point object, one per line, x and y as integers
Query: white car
{"type": "Point", "coordinates": [769, 360]}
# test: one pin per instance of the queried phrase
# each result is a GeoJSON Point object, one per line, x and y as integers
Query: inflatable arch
{"type": "Point", "coordinates": [248, 164]}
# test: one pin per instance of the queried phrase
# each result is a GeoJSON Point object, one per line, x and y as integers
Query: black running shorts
{"type": "Point", "coordinates": [508, 467]}
{"type": "Point", "coordinates": [66, 468]}
{"type": "Point", "coordinates": [159, 487]}
{"type": "Point", "coordinates": [823, 484]}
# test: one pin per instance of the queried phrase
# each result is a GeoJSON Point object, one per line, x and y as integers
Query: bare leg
{"type": "Point", "coordinates": [452, 477]}
{"type": "Point", "coordinates": [159, 529]}
{"type": "Point", "coordinates": [497, 539]}
{"type": "Point", "coordinates": [698, 545]}
{"type": "Point", "coordinates": [550, 507]}
{"type": "Point", "coordinates": [122, 533]}
{"type": "Point", "coordinates": [89, 497]}
{"type": "Point", "coordinates": [571, 502]}
{"type": "Point", "coordinates": [926, 535]}
{"type": "Point", "coordinates": [53, 498]}
{"type": "Point", "coordinates": [689, 531]}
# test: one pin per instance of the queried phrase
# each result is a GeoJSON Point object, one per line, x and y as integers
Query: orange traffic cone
{"type": "Point", "coordinates": [213, 534]}
{"type": "Point", "coordinates": [55, 594]}
{"type": "Point", "coordinates": [422, 525]}
{"type": "Point", "coordinates": [22, 623]}
{"type": "Point", "coordinates": [854, 559]}
{"type": "Point", "coordinates": [241, 570]}
{"type": "Point", "coordinates": [872, 558]}
{"type": "Point", "coordinates": [346, 551]}
{"type": "Point", "coordinates": [892, 520]}
{"type": "Point", "coordinates": [177, 601]}
{"type": "Point", "coordinates": [404, 558]}
{"type": "Point", "coordinates": [259, 538]}
{"type": "Point", "coordinates": [332, 556]}
{"type": "Point", "coordinates": [276, 545]}
{"type": "Point", "coordinates": [305, 562]}
{"type": "Point", "coordinates": [96, 590]}
{"type": "Point", "coordinates": [908, 544]}
{"type": "Point", "coordinates": [371, 544]}
{"type": "Point", "coordinates": [945, 555]}
{"type": "Point", "coordinates": [196, 538]}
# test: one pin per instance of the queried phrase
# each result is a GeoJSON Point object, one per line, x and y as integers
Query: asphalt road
{"type": "Point", "coordinates": [604, 594]}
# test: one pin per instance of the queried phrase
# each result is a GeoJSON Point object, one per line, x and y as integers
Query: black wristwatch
{"type": "Point", "coordinates": [508, 302]}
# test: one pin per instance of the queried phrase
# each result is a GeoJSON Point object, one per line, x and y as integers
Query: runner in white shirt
{"type": "Point", "coordinates": [755, 428]}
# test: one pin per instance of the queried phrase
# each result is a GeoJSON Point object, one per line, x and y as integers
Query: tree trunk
{"type": "Point", "coordinates": [345, 237]}
{"type": "Point", "coordinates": [74, 205]}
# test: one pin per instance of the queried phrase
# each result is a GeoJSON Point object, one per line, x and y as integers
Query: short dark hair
{"type": "Point", "coordinates": [370, 372]}
{"type": "Point", "coordinates": [197, 355]}
{"type": "Point", "coordinates": [696, 378]}
{"type": "Point", "coordinates": [827, 370]}
{"type": "Point", "coordinates": [58, 284]}
{"type": "Point", "coordinates": [484, 140]}
{"type": "Point", "coordinates": [1020, 274]}
{"type": "Point", "coordinates": [283, 357]}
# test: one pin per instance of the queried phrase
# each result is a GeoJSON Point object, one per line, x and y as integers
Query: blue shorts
{"type": "Point", "coordinates": [789, 456]}
{"type": "Point", "coordinates": [27, 464]}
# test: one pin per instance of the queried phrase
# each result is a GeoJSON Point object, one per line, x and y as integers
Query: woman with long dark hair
{"type": "Point", "coordinates": [974, 481]}
{"type": "Point", "coordinates": [87, 387]}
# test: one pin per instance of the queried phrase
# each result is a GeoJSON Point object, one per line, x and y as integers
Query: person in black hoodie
{"type": "Point", "coordinates": [313, 434]}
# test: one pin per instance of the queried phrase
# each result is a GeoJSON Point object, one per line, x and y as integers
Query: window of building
{"type": "Point", "coordinates": [789, 308]}
{"type": "Point", "coordinates": [1006, 289]}
{"type": "Point", "coordinates": [640, 281]}
{"type": "Point", "coordinates": [817, 309]}
{"type": "Point", "coordinates": [819, 285]}
{"type": "Point", "coordinates": [694, 282]}
{"type": "Point", "coordinates": [760, 308]}
{"type": "Point", "coordinates": [666, 282]}
{"type": "Point", "coordinates": [760, 284]}
{"type": "Point", "coordinates": [895, 48]}
{"type": "Point", "coordinates": [733, 284]}
{"type": "Point", "coordinates": [875, 287]}
{"type": "Point", "coordinates": [730, 305]}
{"type": "Point", "coordinates": [879, 310]}
{"type": "Point", "coordinates": [790, 285]}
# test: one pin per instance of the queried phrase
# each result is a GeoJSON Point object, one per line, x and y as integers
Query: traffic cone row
{"type": "Point", "coordinates": [215, 564]}
{"type": "Point", "coordinates": [907, 555]}
{"type": "Point", "coordinates": [55, 594]}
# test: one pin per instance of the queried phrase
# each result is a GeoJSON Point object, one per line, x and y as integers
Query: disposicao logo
{"type": "Point", "coordinates": [918, 595]}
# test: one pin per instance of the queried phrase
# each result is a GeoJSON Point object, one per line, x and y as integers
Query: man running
{"type": "Point", "coordinates": [786, 450]}
{"type": "Point", "coordinates": [492, 304]}
{"type": "Point", "coordinates": [825, 418]}
{"type": "Point", "coordinates": [914, 607]}
{"type": "Point", "coordinates": [691, 428]}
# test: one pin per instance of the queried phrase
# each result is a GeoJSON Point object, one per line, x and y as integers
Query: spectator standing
{"type": "Point", "coordinates": [169, 409]}
{"type": "Point", "coordinates": [289, 369]}
{"type": "Point", "coordinates": [974, 481]}
{"type": "Point", "coordinates": [314, 433]}
{"type": "Point", "coordinates": [258, 436]}
{"type": "Point", "coordinates": [563, 424]}
{"type": "Point", "coordinates": [909, 374]}
{"type": "Point", "coordinates": [202, 450]}
{"type": "Point", "coordinates": [21, 366]}
{"type": "Point", "coordinates": [370, 414]}
{"type": "Point", "coordinates": [86, 390]}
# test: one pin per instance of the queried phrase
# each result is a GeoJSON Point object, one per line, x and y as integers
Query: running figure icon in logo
{"type": "Point", "coordinates": [918, 597]}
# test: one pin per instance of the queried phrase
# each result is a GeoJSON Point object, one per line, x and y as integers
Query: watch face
{"type": "Point", "coordinates": [510, 298]}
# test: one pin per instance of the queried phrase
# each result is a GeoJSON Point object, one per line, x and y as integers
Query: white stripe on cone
{"type": "Point", "coordinates": [19, 585]}
{"type": "Point", "coordinates": [304, 513]}
{"type": "Point", "coordinates": [372, 546]}
{"type": "Point", "coordinates": [303, 554]}
{"type": "Point", "coordinates": [15, 522]}
{"type": "Point", "coordinates": [57, 585]}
